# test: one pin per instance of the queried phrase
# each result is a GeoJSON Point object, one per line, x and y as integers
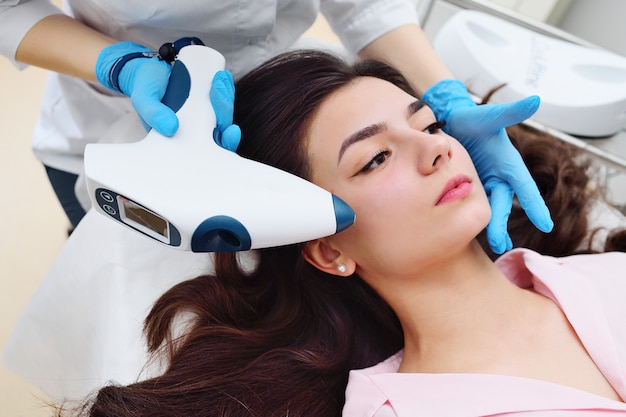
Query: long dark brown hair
{"type": "Point", "coordinates": [280, 340]}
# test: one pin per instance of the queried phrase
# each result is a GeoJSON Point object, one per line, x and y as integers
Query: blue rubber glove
{"type": "Point", "coordinates": [222, 95]}
{"type": "Point", "coordinates": [143, 78]}
{"type": "Point", "coordinates": [480, 129]}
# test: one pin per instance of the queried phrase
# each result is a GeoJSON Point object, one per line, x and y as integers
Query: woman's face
{"type": "Point", "coordinates": [414, 189]}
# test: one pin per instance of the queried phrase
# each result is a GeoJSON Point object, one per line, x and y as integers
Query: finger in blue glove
{"type": "Point", "coordinates": [222, 95]}
{"type": "Point", "coordinates": [490, 119]}
{"type": "Point", "coordinates": [501, 200]}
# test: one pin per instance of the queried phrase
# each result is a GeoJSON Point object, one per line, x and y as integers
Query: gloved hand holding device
{"type": "Point", "coordinates": [222, 95]}
{"type": "Point", "coordinates": [481, 130]}
{"type": "Point", "coordinates": [143, 75]}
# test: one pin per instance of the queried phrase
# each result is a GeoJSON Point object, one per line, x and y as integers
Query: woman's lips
{"type": "Point", "coordinates": [456, 188]}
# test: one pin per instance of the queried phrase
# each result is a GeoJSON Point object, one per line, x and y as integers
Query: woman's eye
{"type": "Point", "coordinates": [435, 127]}
{"type": "Point", "coordinates": [375, 162]}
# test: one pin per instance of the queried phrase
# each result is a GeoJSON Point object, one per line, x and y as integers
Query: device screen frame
{"type": "Point", "coordinates": [144, 220]}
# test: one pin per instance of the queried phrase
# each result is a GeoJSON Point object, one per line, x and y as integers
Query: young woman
{"type": "Point", "coordinates": [407, 287]}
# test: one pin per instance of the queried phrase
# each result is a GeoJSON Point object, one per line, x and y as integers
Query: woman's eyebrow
{"type": "Point", "coordinates": [362, 134]}
{"type": "Point", "coordinates": [375, 129]}
{"type": "Point", "coordinates": [416, 106]}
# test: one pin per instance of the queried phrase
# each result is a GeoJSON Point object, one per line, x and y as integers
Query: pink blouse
{"type": "Point", "coordinates": [591, 291]}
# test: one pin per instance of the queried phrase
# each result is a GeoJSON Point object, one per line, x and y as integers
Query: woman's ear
{"type": "Point", "coordinates": [324, 257]}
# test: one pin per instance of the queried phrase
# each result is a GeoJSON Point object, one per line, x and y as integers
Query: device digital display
{"type": "Point", "coordinates": [139, 215]}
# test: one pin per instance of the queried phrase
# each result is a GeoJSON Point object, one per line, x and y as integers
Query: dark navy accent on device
{"type": "Point", "coordinates": [344, 215]}
{"type": "Point", "coordinates": [179, 86]}
{"type": "Point", "coordinates": [220, 234]}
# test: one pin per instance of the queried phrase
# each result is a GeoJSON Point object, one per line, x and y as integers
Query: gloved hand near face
{"type": "Point", "coordinates": [481, 130]}
{"type": "Point", "coordinates": [139, 73]}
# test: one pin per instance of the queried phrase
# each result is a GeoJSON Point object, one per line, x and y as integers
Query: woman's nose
{"type": "Point", "coordinates": [433, 151]}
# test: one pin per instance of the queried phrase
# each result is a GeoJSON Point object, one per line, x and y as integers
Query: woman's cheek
{"type": "Point", "coordinates": [385, 196]}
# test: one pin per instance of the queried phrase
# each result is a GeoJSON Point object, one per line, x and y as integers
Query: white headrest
{"type": "Point", "coordinates": [582, 90]}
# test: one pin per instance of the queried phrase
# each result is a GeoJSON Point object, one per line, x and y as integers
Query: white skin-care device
{"type": "Point", "coordinates": [189, 193]}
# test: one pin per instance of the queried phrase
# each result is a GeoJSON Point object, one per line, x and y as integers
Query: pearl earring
{"type": "Point", "coordinates": [342, 268]}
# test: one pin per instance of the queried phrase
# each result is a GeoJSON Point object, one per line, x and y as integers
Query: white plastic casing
{"type": "Point", "coordinates": [192, 184]}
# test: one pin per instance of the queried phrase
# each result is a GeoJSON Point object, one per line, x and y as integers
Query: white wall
{"type": "Point", "coordinates": [602, 22]}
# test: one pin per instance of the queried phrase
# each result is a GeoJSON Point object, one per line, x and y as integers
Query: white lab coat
{"type": "Point", "coordinates": [83, 326]}
{"type": "Point", "coordinates": [247, 33]}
